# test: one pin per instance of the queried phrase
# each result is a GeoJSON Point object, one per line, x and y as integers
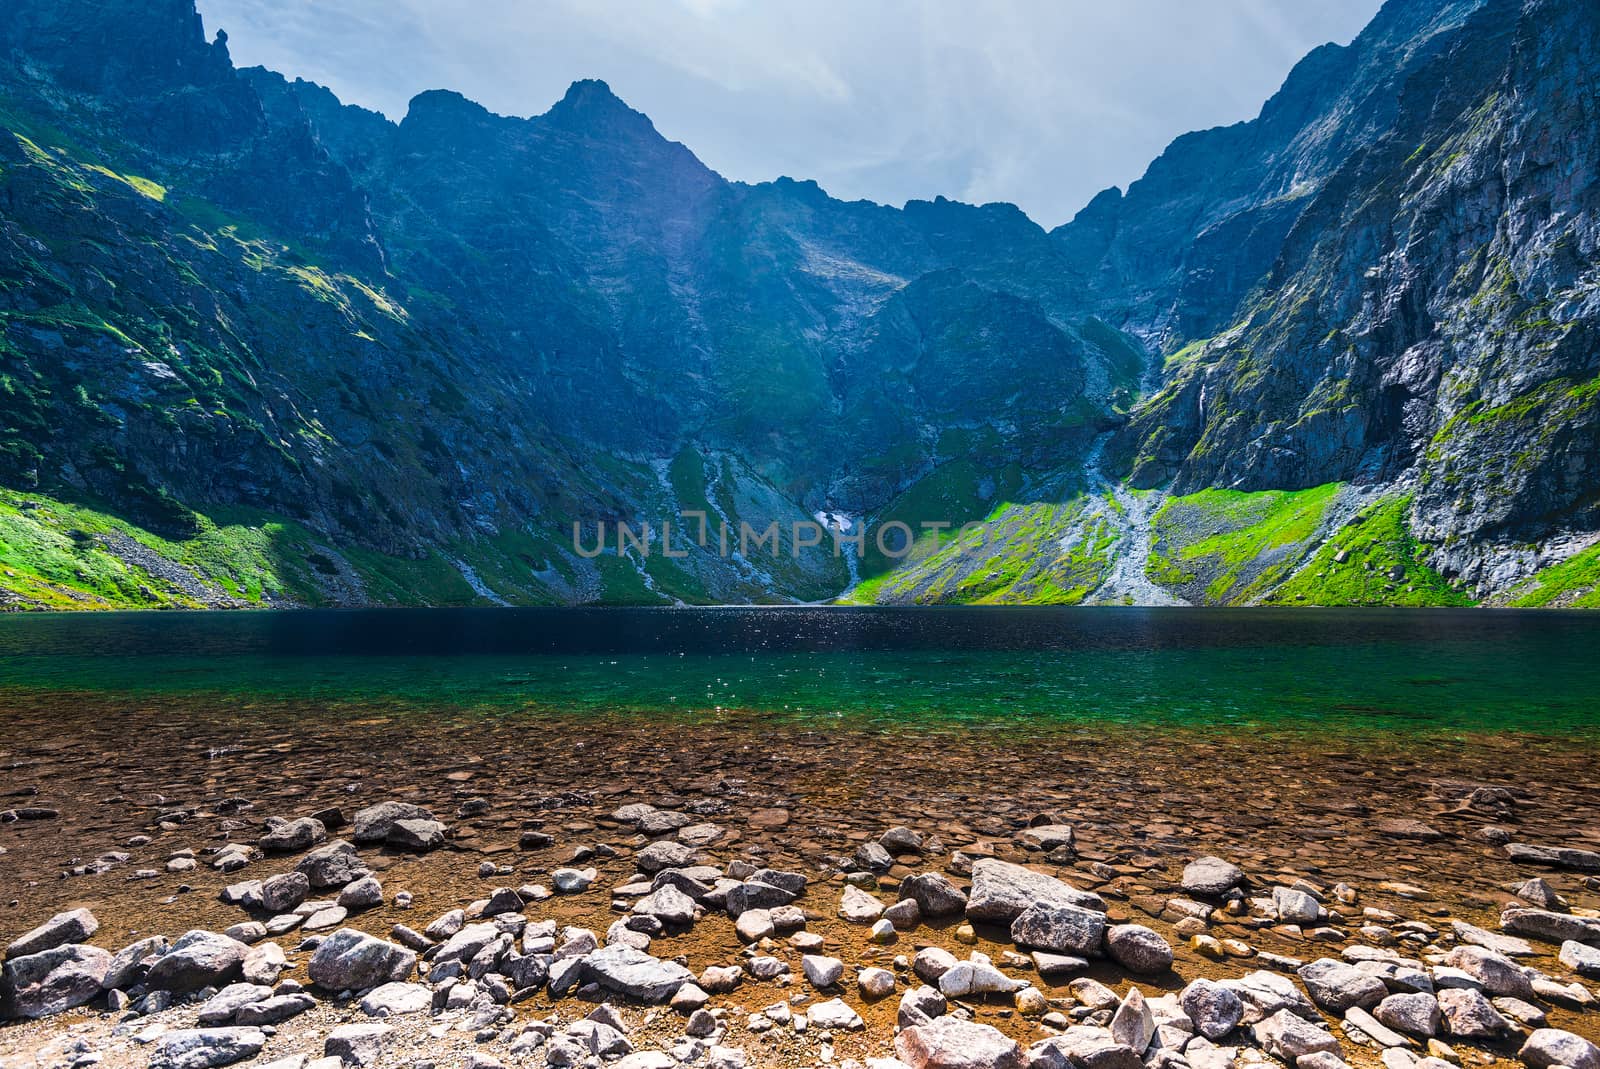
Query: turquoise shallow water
{"type": "Point", "coordinates": [1361, 670]}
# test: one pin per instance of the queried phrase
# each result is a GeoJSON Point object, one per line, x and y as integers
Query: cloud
{"type": "Point", "coordinates": [1036, 102]}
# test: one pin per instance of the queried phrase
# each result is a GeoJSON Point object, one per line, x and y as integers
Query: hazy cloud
{"type": "Point", "coordinates": [1040, 103]}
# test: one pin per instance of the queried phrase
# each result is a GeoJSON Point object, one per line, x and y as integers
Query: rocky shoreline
{"type": "Point", "coordinates": [700, 916]}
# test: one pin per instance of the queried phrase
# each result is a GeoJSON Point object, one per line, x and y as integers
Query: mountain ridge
{"type": "Point", "coordinates": [420, 349]}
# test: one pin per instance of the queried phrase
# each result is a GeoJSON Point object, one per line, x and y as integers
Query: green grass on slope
{"type": "Point", "coordinates": [1230, 545]}
{"type": "Point", "coordinates": [1572, 584]}
{"type": "Point", "coordinates": [1373, 560]}
{"type": "Point", "coordinates": [57, 555]}
{"type": "Point", "coordinates": [955, 493]}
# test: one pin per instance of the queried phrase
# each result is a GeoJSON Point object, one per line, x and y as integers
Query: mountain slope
{"type": "Point", "coordinates": [260, 347]}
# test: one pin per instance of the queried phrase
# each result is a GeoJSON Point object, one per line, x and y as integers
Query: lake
{"type": "Point", "coordinates": [1358, 671]}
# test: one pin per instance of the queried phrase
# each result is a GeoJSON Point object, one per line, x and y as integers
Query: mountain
{"type": "Point", "coordinates": [261, 347]}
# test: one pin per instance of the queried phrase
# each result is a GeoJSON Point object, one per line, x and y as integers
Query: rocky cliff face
{"type": "Point", "coordinates": [314, 355]}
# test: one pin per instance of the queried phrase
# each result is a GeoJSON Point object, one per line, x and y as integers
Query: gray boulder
{"type": "Point", "coordinates": [1083, 1047]}
{"type": "Point", "coordinates": [951, 1043]}
{"type": "Point", "coordinates": [1062, 928]}
{"type": "Point", "coordinates": [934, 895]}
{"type": "Point", "coordinates": [635, 974]}
{"type": "Point", "coordinates": [349, 960]}
{"type": "Point", "coordinates": [73, 926]}
{"type": "Point", "coordinates": [1414, 1013]}
{"type": "Point", "coordinates": [205, 1048]}
{"type": "Point", "coordinates": [1336, 985]}
{"type": "Point", "coordinates": [373, 824]}
{"type": "Point", "coordinates": [1214, 1009]}
{"type": "Point", "coordinates": [1002, 891]}
{"type": "Point", "coordinates": [1138, 949]}
{"type": "Point", "coordinates": [198, 959]}
{"type": "Point", "coordinates": [282, 893]}
{"type": "Point", "coordinates": [297, 834]}
{"type": "Point", "coordinates": [1211, 876]}
{"type": "Point", "coordinates": [52, 981]}
{"type": "Point", "coordinates": [333, 864]}
{"type": "Point", "coordinates": [1468, 1015]}
{"type": "Point", "coordinates": [1547, 1047]}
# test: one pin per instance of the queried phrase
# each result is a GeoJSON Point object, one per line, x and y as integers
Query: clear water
{"type": "Point", "coordinates": [1468, 671]}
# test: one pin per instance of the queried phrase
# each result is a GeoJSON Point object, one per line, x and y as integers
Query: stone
{"type": "Point", "coordinates": [919, 1006]}
{"type": "Point", "coordinates": [875, 983]}
{"type": "Point", "coordinates": [1050, 964]}
{"type": "Point", "coordinates": [1093, 994]}
{"type": "Point", "coordinates": [1137, 949]}
{"type": "Point", "coordinates": [573, 881]}
{"type": "Point", "coordinates": [1295, 907]}
{"type": "Point", "coordinates": [1048, 837]}
{"type": "Point", "coordinates": [754, 925]}
{"type": "Point", "coordinates": [931, 963]}
{"type": "Point", "coordinates": [1538, 892]}
{"type": "Point", "coordinates": [349, 960]}
{"type": "Point", "coordinates": [754, 894]}
{"type": "Point", "coordinates": [1082, 1047]}
{"type": "Point", "coordinates": [1498, 974]}
{"type": "Point", "coordinates": [665, 855]}
{"type": "Point", "coordinates": [1265, 993]}
{"type": "Point", "coordinates": [1546, 924]}
{"type": "Point", "coordinates": [298, 834]}
{"type": "Point", "coordinates": [901, 840]}
{"type": "Point", "coordinates": [1062, 928]}
{"type": "Point", "coordinates": [360, 1045]}
{"type": "Point", "coordinates": [1414, 1013]}
{"type": "Point", "coordinates": [872, 857]}
{"type": "Point", "coordinates": [904, 914]}
{"type": "Point", "coordinates": [858, 907]}
{"type": "Point", "coordinates": [1211, 876]}
{"type": "Point", "coordinates": [324, 918]}
{"type": "Point", "coordinates": [333, 864]}
{"type": "Point", "coordinates": [882, 931]}
{"type": "Point", "coordinates": [721, 979]}
{"type": "Point", "coordinates": [1546, 1047]}
{"type": "Point", "coordinates": [374, 823]}
{"type": "Point", "coordinates": [73, 926]}
{"type": "Point", "coordinates": [263, 964]}
{"type": "Point", "coordinates": [198, 959]}
{"type": "Point", "coordinates": [635, 974]}
{"type": "Point", "coordinates": [1468, 1015]}
{"type": "Point", "coordinates": [976, 977]}
{"type": "Point", "coordinates": [1002, 891]}
{"type": "Point", "coordinates": [52, 981]}
{"type": "Point", "coordinates": [821, 971]}
{"type": "Point", "coordinates": [702, 1024]}
{"type": "Point", "coordinates": [205, 1048]}
{"type": "Point", "coordinates": [1581, 959]}
{"type": "Point", "coordinates": [396, 999]}
{"type": "Point", "coordinates": [275, 1010]}
{"type": "Point", "coordinates": [220, 1008]}
{"type": "Point", "coordinates": [1288, 1036]}
{"type": "Point", "coordinates": [415, 836]}
{"type": "Point", "coordinates": [1362, 1022]}
{"type": "Point", "coordinates": [952, 1043]}
{"type": "Point", "coordinates": [1336, 985]}
{"type": "Point", "coordinates": [1560, 857]}
{"type": "Point", "coordinates": [934, 895]}
{"type": "Point", "coordinates": [668, 905]}
{"type": "Point", "coordinates": [365, 893]}
{"type": "Point", "coordinates": [128, 965]}
{"type": "Point", "coordinates": [1134, 1024]}
{"type": "Point", "coordinates": [1214, 1009]}
{"type": "Point", "coordinates": [835, 1014]}
{"type": "Point", "coordinates": [282, 893]}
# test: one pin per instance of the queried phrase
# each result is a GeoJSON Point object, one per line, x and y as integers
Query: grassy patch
{"type": "Point", "coordinates": [1572, 584]}
{"type": "Point", "coordinates": [1373, 560]}
{"type": "Point", "coordinates": [1230, 545]}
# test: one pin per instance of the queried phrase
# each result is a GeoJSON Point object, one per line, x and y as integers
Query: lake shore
{"type": "Point", "coordinates": [1382, 848]}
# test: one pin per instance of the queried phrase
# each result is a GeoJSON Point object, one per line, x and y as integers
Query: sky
{"type": "Point", "coordinates": [1042, 103]}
